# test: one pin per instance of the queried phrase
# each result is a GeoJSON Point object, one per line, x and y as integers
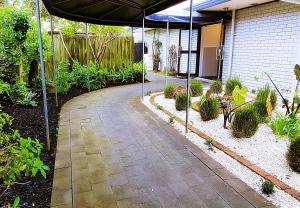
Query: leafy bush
{"type": "Point", "coordinates": [19, 156]}
{"type": "Point", "coordinates": [293, 155]}
{"type": "Point", "coordinates": [285, 126]}
{"type": "Point", "coordinates": [216, 87]}
{"type": "Point", "coordinates": [209, 108]}
{"type": "Point", "coordinates": [169, 91]}
{"type": "Point", "coordinates": [268, 188]}
{"type": "Point", "coordinates": [181, 101]}
{"type": "Point", "coordinates": [196, 88]}
{"type": "Point", "coordinates": [20, 94]}
{"type": "Point", "coordinates": [231, 84]}
{"type": "Point", "coordinates": [64, 79]}
{"type": "Point", "coordinates": [245, 122]}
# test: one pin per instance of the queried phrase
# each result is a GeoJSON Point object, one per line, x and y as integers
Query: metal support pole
{"type": "Point", "coordinates": [43, 73]}
{"type": "Point", "coordinates": [167, 52]}
{"type": "Point", "coordinates": [87, 51]}
{"type": "Point", "coordinates": [143, 46]}
{"type": "Point", "coordinates": [132, 48]}
{"type": "Point", "coordinates": [189, 68]}
{"type": "Point", "coordinates": [53, 60]}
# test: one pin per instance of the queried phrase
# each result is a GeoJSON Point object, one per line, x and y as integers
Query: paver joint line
{"type": "Point", "coordinates": [281, 185]}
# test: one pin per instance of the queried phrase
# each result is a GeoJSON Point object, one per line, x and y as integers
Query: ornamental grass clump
{"type": "Point", "coordinates": [245, 122]}
{"type": "Point", "coordinates": [293, 155]}
{"type": "Point", "coordinates": [169, 91]}
{"type": "Point", "coordinates": [216, 87]}
{"type": "Point", "coordinates": [209, 108]}
{"type": "Point", "coordinates": [196, 88]}
{"type": "Point", "coordinates": [231, 84]}
{"type": "Point", "coordinates": [268, 188]}
{"type": "Point", "coordinates": [265, 102]}
{"type": "Point", "coordinates": [181, 101]}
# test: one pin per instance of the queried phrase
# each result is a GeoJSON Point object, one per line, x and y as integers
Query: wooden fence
{"type": "Point", "coordinates": [118, 53]}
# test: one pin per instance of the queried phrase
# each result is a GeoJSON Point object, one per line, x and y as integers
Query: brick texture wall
{"type": "Point", "coordinates": [267, 38]}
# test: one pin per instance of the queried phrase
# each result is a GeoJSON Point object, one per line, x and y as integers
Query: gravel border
{"type": "Point", "coordinates": [280, 198]}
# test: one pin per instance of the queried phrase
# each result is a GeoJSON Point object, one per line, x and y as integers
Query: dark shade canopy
{"type": "Point", "coordinates": [109, 12]}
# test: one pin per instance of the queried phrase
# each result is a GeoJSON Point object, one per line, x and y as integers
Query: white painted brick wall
{"type": "Point", "coordinates": [162, 34]}
{"type": "Point", "coordinates": [266, 39]}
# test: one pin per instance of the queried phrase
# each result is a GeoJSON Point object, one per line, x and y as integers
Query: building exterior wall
{"type": "Point", "coordinates": [266, 39]}
{"type": "Point", "coordinates": [161, 34]}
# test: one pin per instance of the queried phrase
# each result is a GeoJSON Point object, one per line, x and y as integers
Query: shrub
{"type": "Point", "coordinates": [231, 84]}
{"type": "Point", "coordinates": [245, 122]}
{"type": "Point", "coordinates": [268, 188]}
{"type": "Point", "coordinates": [20, 94]}
{"type": "Point", "coordinates": [196, 88]}
{"type": "Point", "coordinates": [216, 87]}
{"type": "Point", "coordinates": [293, 155]}
{"type": "Point", "coordinates": [261, 110]}
{"type": "Point", "coordinates": [19, 156]}
{"type": "Point", "coordinates": [64, 79]}
{"type": "Point", "coordinates": [169, 91]}
{"type": "Point", "coordinates": [262, 100]}
{"type": "Point", "coordinates": [181, 101]}
{"type": "Point", "coordinates": [209, 108]}
{"type": "Point", "coordinates": [285, 126]}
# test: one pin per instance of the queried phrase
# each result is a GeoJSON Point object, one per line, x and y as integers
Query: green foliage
{"type": "Point", "coordinates": [263, 93]}
{"type": "Point", "coordinates": [216, 87]}
{"type": "Point", "coordinates": [181, 101]}
{"type": "Point", "coordinates": [297, 72]}
{"type": "Point", "coordinates": [19, 156]}
{"type": "Point", "coordinates": [265, 97]}
{"type": "Point", "coordinates": [285, 126]}
{"type": "Point", "coordinates": [293, 154]}
{"type": "Point", "coordinates": [171, 119]}
{"type": "Point", "coordinates": [20, 94]}
{"type": "Point", "coordinates": [245, 122]}
{"type": "Point", "coordinates": [239, 95]}
{"type": "Point", "coordinates": [159, 107]}
{"type": "Point", "coordinates": [231, 83]}
{"type": "Point", "coordinates": [18, 43]}
{"type": "Point", "coordinates": [169, 91]}
{"type": "Point", "coordinates": [196, 88]}
{"type": "Point", "coordinates": [268, 188]}
{"type": "Point", "coordinates": [93, 78]}
{"type": "Point", "coordinates": [209, 108]}
{"type": "Point", "coordinates": [64, 80]}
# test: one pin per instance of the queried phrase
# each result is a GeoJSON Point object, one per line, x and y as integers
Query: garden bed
{"type": "Point", "coordinates": [264, 149]}
{"type": "Point", "coordinates": [36, 191]}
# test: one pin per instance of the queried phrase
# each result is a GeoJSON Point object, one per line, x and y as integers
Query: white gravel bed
{"type": "Point", "coordinates": [263, 149]}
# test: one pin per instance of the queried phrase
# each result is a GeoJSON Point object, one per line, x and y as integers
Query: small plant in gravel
{"type": "Point", "coordinates": [209, 143]}
{"type": "Point", "coordinates": [159, 107]}
{"type": "Point", "coordinates": [209, 108]}
{"type": "Point", "coordinates": [245, 122]}
{"type": "Point", "coordinates": [169, 91]}
{"type": "Point", "coordinates": [216, 87]}
{"type": "Point", "coordinates": [293, 155]}
{"type": "Point", "coordinates": [268, 188]}
{"type": "Point", "coordinates": [181, 101]}
{"type": "Point", "coordinates": [196, 88]}
{"type": "Point", "coordinates": [171, 119]}
{"type": "Point", "coordinates": [231, 84]}
{"type": "Point", "coordinates": [285, 126]}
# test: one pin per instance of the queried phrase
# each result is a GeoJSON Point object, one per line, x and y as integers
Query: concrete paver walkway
{"type": "Point", "coordinates": [113, 152]}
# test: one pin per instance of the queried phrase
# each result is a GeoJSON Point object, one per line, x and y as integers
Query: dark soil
{"type": "Point", "coordinates": [36, 191]}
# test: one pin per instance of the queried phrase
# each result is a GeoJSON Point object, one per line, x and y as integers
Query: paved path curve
{"type": "Point", "coordinates": [113, 152]}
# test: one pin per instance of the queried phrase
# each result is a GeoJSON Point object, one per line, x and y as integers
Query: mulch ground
{"type": "Point", "coordinates": [36, 191]}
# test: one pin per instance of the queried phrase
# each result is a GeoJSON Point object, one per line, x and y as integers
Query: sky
{"type": "Point", "coordinates": [184, 5]}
